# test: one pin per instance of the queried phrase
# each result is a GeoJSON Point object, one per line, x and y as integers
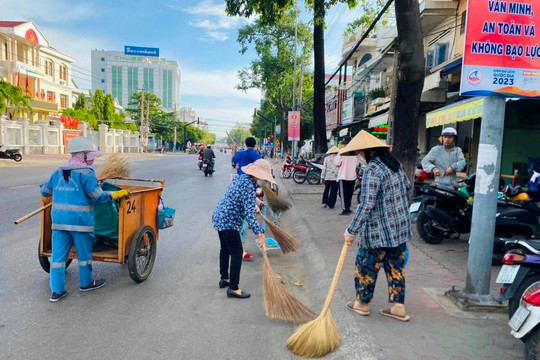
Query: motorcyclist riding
{"type": "Point", "coordinates": [208, 154]}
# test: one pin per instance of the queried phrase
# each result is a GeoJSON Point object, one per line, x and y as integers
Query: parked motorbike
{"type": "Point", "coordinates": [444, 211]}
{"type": "Point", "coordinates": [521, 269]}
{"type": "Point", "coordinates": [208, 167]}
{"type": "Point", "coordinates": [13, 154]}
{"type": "Point", "coordinates": [300, 171]}
{"type": "Point", "coordinates": [525, 321]}
{"type": "Point", "coordinates": [287, 167]}
{"type": "Point", "coordinates": [200, 162]}
{"type": "Point", "coordinates": [313, 175]}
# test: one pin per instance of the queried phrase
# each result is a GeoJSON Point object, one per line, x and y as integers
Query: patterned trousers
{"type": "Point", "coordinates": [367, 266]}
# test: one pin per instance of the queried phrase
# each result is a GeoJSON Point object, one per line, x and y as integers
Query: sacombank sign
{"type": "Point", "coordinates": [141, 51]}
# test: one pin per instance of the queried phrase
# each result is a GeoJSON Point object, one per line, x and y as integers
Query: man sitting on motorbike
{"type": "Point", "coordinates": [444, 160]}
{"type": "Point", "coordinates": [208, 154]}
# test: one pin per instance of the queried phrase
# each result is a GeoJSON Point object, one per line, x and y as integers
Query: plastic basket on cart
{"type": "Point", "coordinates": [165, 215]}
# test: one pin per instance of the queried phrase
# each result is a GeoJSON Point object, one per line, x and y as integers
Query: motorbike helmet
{"type": "Point", "coordinates": [449, 131]}
{"type": "Point", "coordinates": [513, 191]}
{"type": "Point", "coordinates": [80, 144]}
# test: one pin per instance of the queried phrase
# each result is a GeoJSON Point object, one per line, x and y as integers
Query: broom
{"type": "Point", "coordinates": [115, 167]}
{"type": "Point", "coordinates": [286, 242]}
{"type": "Point", "coordinates": [278, 302]}
{"type": "Point", "coordinates": [276, 203]}
{"type": "Point", "coordinates": [319, 337]}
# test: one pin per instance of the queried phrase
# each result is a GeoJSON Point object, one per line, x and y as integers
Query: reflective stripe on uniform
{"type": "Point", "coordinates": [66, 227]}
{"type": "Point", "coordinates": [68, 207]}
{"type": "Point", "coordinates": [96, 193]}
{"type": "Point", "coordinates": [84, 263]}
{"type": "Point", "coordinates": [58, 265]}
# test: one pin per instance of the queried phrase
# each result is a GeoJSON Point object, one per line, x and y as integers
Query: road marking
{"type": "Point", "coordinates": [20, 187]}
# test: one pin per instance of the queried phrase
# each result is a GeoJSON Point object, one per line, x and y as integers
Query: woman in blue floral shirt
{"type": "Point", "coordinates": [383, 222]}
{"type": "Point", "coordinates": [237, 204]}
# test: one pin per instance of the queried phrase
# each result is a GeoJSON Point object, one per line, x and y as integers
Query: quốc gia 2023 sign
{"type": "Point", "coordinates": [502, 49]}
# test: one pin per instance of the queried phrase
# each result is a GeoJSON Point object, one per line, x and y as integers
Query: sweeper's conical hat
{"type": "Point", "coordinates": [362, 141]}
{"type": "Point", "coordinates": [333, 150]}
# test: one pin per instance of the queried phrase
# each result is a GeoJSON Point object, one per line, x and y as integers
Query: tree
{"type": "Point", "coordinates": [109, 109]}
{"type": "Point", "coordinates": [98, 105]}
{"type": "Point", "coordinates": [410, 83]}
{"type": "Point", "coordinates": [239, 134]}
{"type": "Point", "coordinates": [12, 99]}
{"type": "Point", "coordinates": [81, 103]}
{"type": "Point", "coordinates": [270, 12]}
{"type": "Point", "coordinates": [272, 71]}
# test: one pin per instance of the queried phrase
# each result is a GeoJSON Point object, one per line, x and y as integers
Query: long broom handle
{"type": "Point", "coordinates": [28, 216]}
{"type": "Point", "coordinates": [335, 281]}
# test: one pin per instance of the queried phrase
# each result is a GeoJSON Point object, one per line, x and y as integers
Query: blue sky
{"type": "Point", "coordinates": [197, 34]}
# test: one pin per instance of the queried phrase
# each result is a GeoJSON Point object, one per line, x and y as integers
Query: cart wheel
{"type": "Point", "coordinates": [142, 254]}
{"type": "Point", "coordinates": [45, 262]}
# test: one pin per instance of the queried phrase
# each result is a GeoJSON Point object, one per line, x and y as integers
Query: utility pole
{"type": "Point", "coordinates": [294, 143]}
{"type": "Point", "coordinates": [174, 142]}
{"type": "Point", "coordinates": [142, 129]}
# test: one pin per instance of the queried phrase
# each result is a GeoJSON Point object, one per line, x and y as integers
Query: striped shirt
{"type": "Point", "coordinates": [382, 218]}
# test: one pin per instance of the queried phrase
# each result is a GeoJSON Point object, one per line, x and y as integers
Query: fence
{"type": "Point", "coordinates": [50, 137]}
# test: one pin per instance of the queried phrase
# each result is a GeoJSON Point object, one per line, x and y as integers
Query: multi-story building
{"type": "Point", "coordinates": [43, 73]}
{"type": "Point", "coordinates": [121, 75]}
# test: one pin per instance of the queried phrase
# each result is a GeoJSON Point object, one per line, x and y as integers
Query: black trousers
{"type": "Point", "coordinates": [231, 249]}
{"type": "Point", "coordinates": [330, 193]}
{"type": "Point", "coordinates": [346, 188]}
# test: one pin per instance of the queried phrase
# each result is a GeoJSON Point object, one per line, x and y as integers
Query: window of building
{"type": "Point", "coordinates": [102, 59]}
{"type": "Point", "coordinates": [63, 101]}
{"type": "Point", "coordinates": [103, 81]}
{"type": "Point", "coordinates": [133, 81]}
{"type": "Point", "coordinates": [117, 83]}
{"type": "Point", "coordinates": [167, 88]}
{"type": "Point", "coordinates": [63, 72]}
{"type": "Point", "coordinates": [49, 68]}
{"type": "Point", "coordinates": [102, 69]}
{"type": "Point", "coordinates": [463, 22]}
{"type": "Point", "coordinates": [148, 80]}
{"type": "Point", "coordinates": [51, 96]}
{"type": "Point", "coordinates": [429, 60]}
{"type": "Point", "coordinates": [440, 53]}
{"type": "Point", "coordinates": [6, 51]}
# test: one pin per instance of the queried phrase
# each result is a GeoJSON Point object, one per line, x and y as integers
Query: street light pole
{"type": "Point", "coordinates": [186, 125]}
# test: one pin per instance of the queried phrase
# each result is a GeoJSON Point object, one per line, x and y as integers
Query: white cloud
{"type": "Point", "coordinates": [39, 11]}
{"type": "Point", "coordinates": [215, 36]}
{"type": "Point", "coordinates": [216, 83]}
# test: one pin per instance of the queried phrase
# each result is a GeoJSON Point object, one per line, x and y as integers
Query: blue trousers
{"type": "Point", "coordinates": [61, 244]}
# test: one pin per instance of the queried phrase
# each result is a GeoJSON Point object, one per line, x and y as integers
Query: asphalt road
{"type": "Point", "coordinates": [178, 313]}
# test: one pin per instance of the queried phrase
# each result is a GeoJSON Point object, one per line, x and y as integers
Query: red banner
{"type": "Point", "coordinates": [294, 125]}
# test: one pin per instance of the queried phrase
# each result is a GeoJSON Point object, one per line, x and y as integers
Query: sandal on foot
{"type": "Point", "coordinates": [388, 312]}
{"type": "Point", "coordinates": [350, 305]}
{"type": "Point", "coordinates": [247, 257]}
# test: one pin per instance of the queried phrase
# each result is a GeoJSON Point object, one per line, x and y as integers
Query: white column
{"type": "Point", "coordinates": [44, 139]}
{"type": "Point", "coordinates": [24, 138]}
{"type": "Point", "coordinates": [103, 128]}
{"type": "Point", "coordinates": [60, 126]}
{"type": "Point", "coordinates": [83, 127]}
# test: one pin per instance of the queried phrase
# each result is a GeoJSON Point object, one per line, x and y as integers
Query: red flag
{"type": "Point", "coordinates": [18, 79]}
{"type": "Point", "coordinates": [27, 84]}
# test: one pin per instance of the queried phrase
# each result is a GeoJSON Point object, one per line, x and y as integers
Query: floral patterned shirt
{"type": "Point", "coordinates": [237, 204]}
{"type": "Point", "coordinates": [330, 170]}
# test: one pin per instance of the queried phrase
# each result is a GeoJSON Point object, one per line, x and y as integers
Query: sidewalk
{"type": "Point", "coordinates": [437, 329]}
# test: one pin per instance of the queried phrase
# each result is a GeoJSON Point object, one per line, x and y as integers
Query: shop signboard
{"type": "Point", "coordinates": [294, 126]}
{"type": "Point", "coordinates": [464, 110]}
{"type": "Point", "coordinates": [331, 112]}
{"type": "Point", "coordinates": [278, 130]}
{"type": "Point", "coordinates": [141, 51]}
{"type": "Point", "coordinates": [502, 49]}
{"type": "Point", "coordinates": [348, 111]}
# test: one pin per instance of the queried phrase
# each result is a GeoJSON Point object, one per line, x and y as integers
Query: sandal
{"type": "Point", "coordinates": [247, 256]}
{"type": "Point", "coordinates": [350, 305]}
{"type": "Point", "coordinates": [388, 312]}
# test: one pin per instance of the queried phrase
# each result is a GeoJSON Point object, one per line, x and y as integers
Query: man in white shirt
{"type": "Point", "coordinates": [346, 177]}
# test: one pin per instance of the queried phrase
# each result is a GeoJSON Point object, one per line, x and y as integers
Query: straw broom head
{"type": "Point", "coordinates": [316, 338]}
{"type": "Point", "coordinates": [319, 337]}
{"type": "Point", "coordinates": [115, 167]}
{"type": "Point", "coordinates": [278, 302]}
{"type": "Point", "coordinates": [276, 203]}
{"type": "Point", "coordinates": [286, 242]}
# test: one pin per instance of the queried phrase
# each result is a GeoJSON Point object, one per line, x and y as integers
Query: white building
{"type": "Point", "coordinates": [43, 73]}
{"type": "Point", "coordinates": [122, 75]}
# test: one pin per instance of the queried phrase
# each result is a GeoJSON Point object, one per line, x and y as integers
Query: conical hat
{"type": "Point", "coordinates": [333, 150]}
{"type": "Point", "coordinates": [362, 141]}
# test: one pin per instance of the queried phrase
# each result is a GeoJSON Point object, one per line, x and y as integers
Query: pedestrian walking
{"type": "Point", "coordinates": [382, 220]}
{"type": "Point", "coordinates": [346, 177]}
{"type": "Point", "coordinates": [237, 204]}
{"type": "Point", "coordinates": [444, 160]}
{"type": "Point", "coordinates": [74, 188]}
{"type": "Point", "coordinates": [329, 177]}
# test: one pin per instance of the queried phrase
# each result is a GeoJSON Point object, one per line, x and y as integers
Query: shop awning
{"type": "Point", "coordinates": [378, 120]}
{"type": "Point", "coordinates": [460, 111]}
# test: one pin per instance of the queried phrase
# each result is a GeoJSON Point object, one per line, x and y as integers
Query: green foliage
{"type": "Point", "coordinates": [377, 93]}
{"type": "Point", "coordinates": [82, 115]}
{"type": "Point", "coordinates": [12, 98]}
{"type": "Point", "coordinates": [370, 10]}
{"type": "Point", "coordinates": [81, 103]}
{"type": "Point", "coordinates": [98, 105]}
{"type": "Point", "coordinates": [109, 110]}
{"type": "Point", "coordinates": [239, 134]}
